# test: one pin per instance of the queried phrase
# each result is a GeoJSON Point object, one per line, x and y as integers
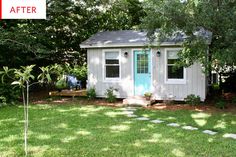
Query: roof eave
{"type": "Point", "coordinates": [130, 45]}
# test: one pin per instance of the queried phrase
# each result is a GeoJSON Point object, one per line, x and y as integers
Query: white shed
{"type": "Point", "coordinates": [121, 59]}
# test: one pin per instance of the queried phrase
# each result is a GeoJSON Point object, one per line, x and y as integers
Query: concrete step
{"type": "Point", "coordinates": [137, 101]}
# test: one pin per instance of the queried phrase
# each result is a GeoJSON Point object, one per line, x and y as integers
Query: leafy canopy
{"type": "Point", "coordinates": [68, 23]}
{"type": "Point", "coordinates": [189, 16]}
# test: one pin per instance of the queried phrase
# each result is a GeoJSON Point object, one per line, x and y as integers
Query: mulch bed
{"type": "Point", "coordinates": [42, 98]}
{"type": "Point", "coordinates": [202, 108]}
{"type": "Point", "coordinates": [158, 106]}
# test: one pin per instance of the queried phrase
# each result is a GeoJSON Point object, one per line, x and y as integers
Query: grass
{"type": "Point", "coordinates": [75, 130]}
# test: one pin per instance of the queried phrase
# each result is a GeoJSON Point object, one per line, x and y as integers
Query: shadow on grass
{"type": "Point", "coordinates": [75, 130]}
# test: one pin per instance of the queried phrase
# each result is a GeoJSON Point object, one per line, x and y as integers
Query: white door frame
{"type": "Point", "coordinates": [132, 67]}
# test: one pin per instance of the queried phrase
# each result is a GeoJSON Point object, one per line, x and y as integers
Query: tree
{"type": "Point", "coordinates": [190, 16]}
{"type": "Point", "coordinates": [24, 78]}
{"type": "Point", "coordinates": [68, 23]}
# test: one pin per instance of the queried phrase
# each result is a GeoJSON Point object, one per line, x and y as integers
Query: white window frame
{"type": "Point", "coordinates": [105, 79]}
{"type": "Point", "coordinates": [173, 81]}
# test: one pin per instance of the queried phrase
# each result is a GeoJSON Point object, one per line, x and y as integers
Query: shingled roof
{"type": "Point", "coordinates": [132, 38]}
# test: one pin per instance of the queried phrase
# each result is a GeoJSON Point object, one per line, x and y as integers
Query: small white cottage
{"type": "Point", "coordinates": [121, 59]}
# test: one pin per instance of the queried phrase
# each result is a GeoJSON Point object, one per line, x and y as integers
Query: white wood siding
{"type": "Point", "coordinates": [96, 71]}
{"type": "Point", "coordinates": [195, 79]}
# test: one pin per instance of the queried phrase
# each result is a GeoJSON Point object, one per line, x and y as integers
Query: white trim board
{"type": "Point", "coordinates": [173, 81]}
{"type": "Point", "coordinates": [132, 67]}
{"type": "Point", "coordinates": [130, 45]}
{"type": "Point", "coordinates": [103, 66]}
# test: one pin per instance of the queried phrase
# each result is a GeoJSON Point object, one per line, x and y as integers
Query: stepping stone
{"type": "Point", "coordinates": [233, 136]}
{"type": "Point", "coordinates": [142, 118]}
{"type": "Point", "coordinates": [128, 112]}
{"type": "Point", "coordinates": [157, 121]}
{"type": "Point", "coordinates": [128, 109]}
{"type": "Point", "coordinates": [122, 109]}
{"type": "Point", "coordinates": [189, 128]}
{"type": "Point", "coordinates": [209, 132]}
{"type": "Point", "coordinates": [132, 115]}
{"type": "Point", "coordinates": [173, 124]}
{"type": "Point", "coordinates": [131, 109]}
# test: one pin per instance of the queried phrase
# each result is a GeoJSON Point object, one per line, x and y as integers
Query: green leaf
{"type": "Point", "coordinates": [15, 83]}
{"type": "Point", "coordinates": [48, 77]}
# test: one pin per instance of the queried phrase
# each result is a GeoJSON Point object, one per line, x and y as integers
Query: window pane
{"type": "Point", "coordinates": [142, 63]}
{"type": "Point", "coordinates": [172, 54]}
{"type": "Point", "coordinates": [112, 55]}
{"type": "Point", "coordinates": [175, 73]}
{"type": "Point", "coordinates": [112, 61]}
{"type": "Point", "coordinates": [112, 71]}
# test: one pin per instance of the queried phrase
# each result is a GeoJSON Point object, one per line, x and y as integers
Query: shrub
{"type": "Point", "coordinates": [3, 101]}
{"type": "Point", "coordinates": [61, 84]}
{"type": "Point", "coordinates": [192, 99]}
{"type": "Point", "coordinates": [80, 72]}
{"type": "Point", "coordinates": [110, 96]}
{"type": "Point", "coordinates": [234, 100]}
{"type": "Point", "coordinates": [10, 94]}
{"type": "Point", "coordinates": [91, 93]}
{"type": "Point", "coordinates": [221, 104]}
{"type": "Point", "coordinates": [216, 87]}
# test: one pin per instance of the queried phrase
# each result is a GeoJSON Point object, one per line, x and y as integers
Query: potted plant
{"type": "Point", "coordinates": [148, 95]}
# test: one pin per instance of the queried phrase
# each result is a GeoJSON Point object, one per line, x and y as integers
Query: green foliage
{"type": "Point", "coordinates": [91, 93]}
{"type": "Point", "coordinates": [215, 87]}
{"type": "Point", "coordinates": [234, 100]}
{"type": "Point", "coordinates": [45, 75]}
{"type": "Point", "coordinates": [57, 71]}
{"type": "Point", "coordinates": [11, 95]}
{"type": "Point", "coordinates": [3, 101]}
{"type": "Point", "coordinates": [57, 39]}
{"type": "Point", "coordinates": [110, 96]}
{"type": "Point", "coordinates": [148, 95]}
{"type": "Point", "coordinates": [61, 84]}
{"type": "Point", "coordinates": [192, 99]}
{"type": "Point", "coordinates": [80, 72]}
{"type": "Point", "coordinates": [190, 16]}
{"type": "Point", "coordinates": [23, 75]}
{"type": "Point", "coordinates": [221, 104]}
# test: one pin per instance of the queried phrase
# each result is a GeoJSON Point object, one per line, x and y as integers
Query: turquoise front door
{"type": "Point", "coordinates": [142, 72]}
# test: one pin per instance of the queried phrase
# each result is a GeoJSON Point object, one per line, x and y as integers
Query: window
{"type": "Point", "coordinates": [112, 65]}
{"type": "Point", "coordinates": [174, 75]}
{"type": "Point", "coordinates": [142, 66]}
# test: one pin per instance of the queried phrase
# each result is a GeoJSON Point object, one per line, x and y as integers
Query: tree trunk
{"type": "Point", "coordinates": [27, 118]}
{"type": "Point", "coordinates": [25, 123]}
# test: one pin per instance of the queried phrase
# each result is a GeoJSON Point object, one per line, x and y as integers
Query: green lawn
{"type": "Point", "coordinates": [75, 130]}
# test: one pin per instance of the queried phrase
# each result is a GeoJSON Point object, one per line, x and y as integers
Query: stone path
{"type": "Point", "coordinates": [189, 128]}
{"type": "Point", "coordinates": [142, 118]}
{"type": "Point", "coordinates": [233, 136]}
{"type": "Point", "coordinates": [209, 132]}
{"type": "Point", "coordinates": [132, 115]}
{"type": "Point", "coordinates": [173, 124]}
{"type": "Point", "coordinates": [157, 121]}
{"type": "Point", "coordinates": [129, 112]}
